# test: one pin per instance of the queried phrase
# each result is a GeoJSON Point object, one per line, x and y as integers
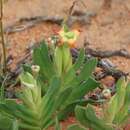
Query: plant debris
{"type": "Point", "coordinates": [26, 23]}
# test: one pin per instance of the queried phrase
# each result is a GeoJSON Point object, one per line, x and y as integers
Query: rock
{"type": "Point", "coordinates": [108, 81]}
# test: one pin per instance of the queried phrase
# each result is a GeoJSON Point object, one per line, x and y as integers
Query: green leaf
{"type": "Point", "coordinates": [69, 77]}
{"type": "Point", "coordinates": [110, 112]}
{"type": "Point", "coordinates": [63, 114]}
{"type": "Point", "coordinates": [58, 60]}
{"type": "Point", "coordinates": [95, 121]}
{"type": "Point", "coordinates": [123, 114]}
{"type": "Point", "coordinates": [80, 114]}
{"type": "Point", "coordinates": [70, 35]}
{"type": "Point", "coordinates": [57, 125]}
{"type": "Point", "coordinates": [14, 109]}
{"type": "Point", "coordinates": [65, 28]}
{"type": "Point", "coordinates": [24, 110]}
{"type": "Point", "coordinates": [79, 91]}
{"type": "Point", "coordinates": [15, 125]}
{"type": "Point", "coordinates": [54, 87]}
{"type": "Point", "coordinates": [27, 80]}
{"type": "Point", "coordinates": [116, 103]}
{"type": "Point", "coordinates": [66, 58]}
{"type": "Point", "coordinates": [5, 122]}
{"type": "Point", "coordinates": [47, 113]}
{"type": "Point", "coordinates": [28, 126]}
{"type": "Point", "coordinates": [121, 93]}
{"type": "Point", "coordinates": [27, 68]}
{"type": "Point", "coordinates": [48, 101]}
{"type": "Point", "coordinates": [76, 127]}
{"type": "Point", "coordinates": [79, 60]}
{"type": "Point", "coordinates": [62, 98]}
{"type": "Point", "coordinates": [41, 57]}
{"type": "Point", "coordinates": [127, 96]}
{"type": "Point", "coordinates": [87, 70]}
{"type": "Point", "coordinates": [27, 98]}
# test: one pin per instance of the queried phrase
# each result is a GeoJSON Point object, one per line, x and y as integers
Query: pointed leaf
{"type": "Point", "coordinates": [97, 123]}
{"type": "Point", "coordinates": [81, 117]}
{"type": "Point", "coordinates": [80, 60]}
{"type": "Point", "coordinates": [58, 60]}
{"type": "Point", "coordinates": [41, 58]}
{"type": "Point", "coordinates": [79, 91]}
{"type": "Point", "coordinates": [62, 98]}
{"type": "Point", "coordinates": [87, 70]}
{"type": "Point", "coordinates": [27, 80]}
{"type": "Point", "coordinates": [76, 127]}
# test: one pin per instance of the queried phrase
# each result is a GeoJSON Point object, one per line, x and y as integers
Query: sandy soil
{"type": "Point", "coordinates": [109, 29]}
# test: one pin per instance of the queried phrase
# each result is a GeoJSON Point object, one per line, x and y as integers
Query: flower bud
{"type": "Point", "coordinates": [106, 93]}
{"type": "Point", "coordinates": [52, 42]}
{"type": "Point", "coordinates": [35, 69]}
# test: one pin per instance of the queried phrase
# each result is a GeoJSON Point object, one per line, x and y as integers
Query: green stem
{"type": "Point", "coordinates": [2, 89]}
{"type": "Point", "coordinates": [2, 36]}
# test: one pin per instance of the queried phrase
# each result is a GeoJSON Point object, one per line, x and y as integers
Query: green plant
{"type": "Point", "coordinates": [113, 116]}
{"type": "Point", "coordinates": [7, 122]}
{"type": "Point", "coordinates": [61, 65]}
{"type": "Point", "coordinates": [35, 112]}
{"type": "Point", "coordinates": [77, 76]}
{"type": "Point", "coordinates": [60, 61]}
{"type": "Point", "coordinates": [52, 87]}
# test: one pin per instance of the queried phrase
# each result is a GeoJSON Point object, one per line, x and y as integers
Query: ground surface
{"type": "Point", "coordinates": [108, 30]}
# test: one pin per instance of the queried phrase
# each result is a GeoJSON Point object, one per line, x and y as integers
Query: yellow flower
{"type": "Point", "coordinates": [69, 37]}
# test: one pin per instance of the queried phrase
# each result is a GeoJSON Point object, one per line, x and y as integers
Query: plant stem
{"type": "Point", "coordinates": [2, 91]}
{"type": "Point", "coordinates": [2, 36]}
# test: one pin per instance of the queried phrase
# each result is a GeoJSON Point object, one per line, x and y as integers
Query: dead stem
{"type": "Point", "coordinates": [2, 36]}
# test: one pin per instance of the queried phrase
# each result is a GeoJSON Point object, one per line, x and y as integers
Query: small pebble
{"type": "Point", "coordinates": [108, 81]}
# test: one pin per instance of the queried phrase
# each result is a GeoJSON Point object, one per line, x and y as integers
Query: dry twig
{"type": "Point", "coordinates": [2, 36]}
{"type": "Point", "coordinates": [26, 23]}
{"type": "Point", "coordinates": [106, 54]}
